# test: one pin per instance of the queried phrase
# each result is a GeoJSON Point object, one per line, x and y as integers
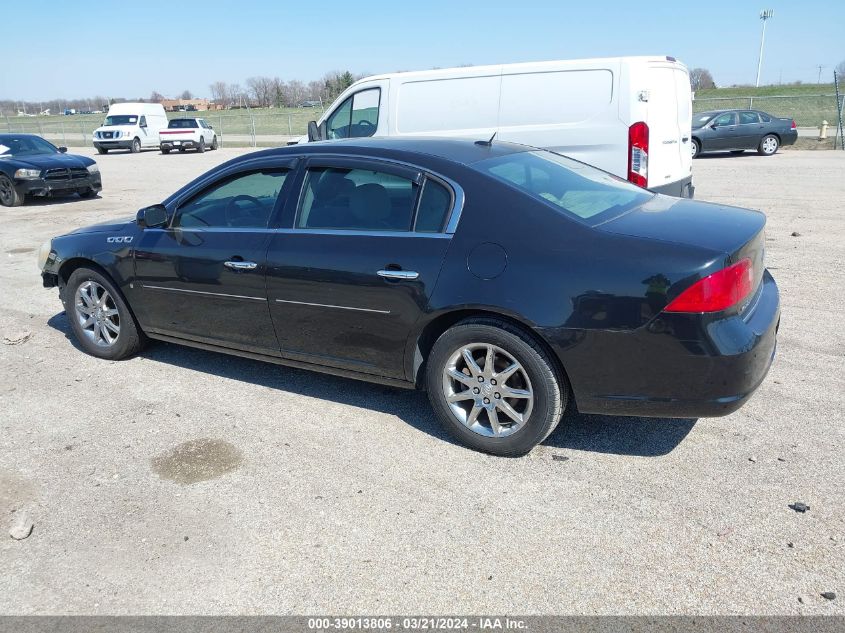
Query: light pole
{"type": "Point", "coordinates": [764, 15]}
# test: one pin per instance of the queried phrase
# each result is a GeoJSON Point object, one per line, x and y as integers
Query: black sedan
{"type": "Point", "coordinates": [508, 281]}
{"type": "Point", "coordinates": [739, 130]}
{"type": "Point", "coordinates": [31, 166]}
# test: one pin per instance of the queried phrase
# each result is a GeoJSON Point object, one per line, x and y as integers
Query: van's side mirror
{"type": "Point", "coordinates": [142, 124]}
{"type": "Point", "coordinates": [313, 132]}
{"type": "Point", "coordinates": [152, 217]}
{"type": "Point", "coordinates": [63, 150]}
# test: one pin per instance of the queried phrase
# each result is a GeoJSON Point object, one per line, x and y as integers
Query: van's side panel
{"type": "Point", "coordinates": [570, 108]}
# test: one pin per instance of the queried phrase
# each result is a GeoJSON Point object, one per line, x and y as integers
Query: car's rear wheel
{"type": "Point", "coordinates": [214, 142]}
{"type": "Point", "coordinates": [696, 148]}
{"type": "Point", "coordinates": [201, 146]}
{"type": "Point", "coordinates": [136, 146]}
{"type": "Point", "coordinates": [9, 196]}
{"type": "Point", "coordinates": [102, 150]}
{"type": "Point", "coordinates": [494, 388]}
{"type": "Point", "coordinates": [99, 316]}
{"type": "Point", "coordinates": [769, 145]}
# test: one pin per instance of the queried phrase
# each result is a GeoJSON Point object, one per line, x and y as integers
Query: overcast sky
{"type": "Point", "coordinates": [81, 48]}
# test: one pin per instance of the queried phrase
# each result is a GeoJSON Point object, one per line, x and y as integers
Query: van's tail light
{"type": "Point", "coordinates": [718, 291]}
{"type": "Point", "coordinates": [793, 124]}
{"type": "Point", "coordinates": [638, 154]}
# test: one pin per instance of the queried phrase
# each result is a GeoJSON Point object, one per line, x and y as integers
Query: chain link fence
{"type": "Point", "coordinates": [807, 110]}
{"type": "Point", "coordinates": [235, 128]}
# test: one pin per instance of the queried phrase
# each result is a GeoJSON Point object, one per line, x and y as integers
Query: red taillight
{"type": "Point", "coordinates": [638, 154]}
{"type": "Point", "coordinates": [718, 291]}
{"type": "Point", "coordinates": [793, 124]}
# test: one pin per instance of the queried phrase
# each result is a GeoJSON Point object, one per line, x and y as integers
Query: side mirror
{"type": "Point", "coordinates": [152, 217]}
{"type": "Point", "coordinates": [313, 132]}
{"type": "Point", "coordinates": [142, 124]}
{"type": "Point", "coordinates": [62, 150]}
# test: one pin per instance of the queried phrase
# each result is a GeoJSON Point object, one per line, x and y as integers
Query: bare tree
{"type": "Point", "coordinates": [840, 69]}
{"type": "Point", "coordinates": [156, 97]}
{"type": "Point", "coordinates": [219, 92]}
{"type": "Point", "coordinates": [186, 94]}
{"type": "Point", "coordinates": [701, 79]}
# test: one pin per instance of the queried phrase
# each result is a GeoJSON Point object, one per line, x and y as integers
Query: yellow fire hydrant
{"type": "Point", "coordinates": [823, 131]}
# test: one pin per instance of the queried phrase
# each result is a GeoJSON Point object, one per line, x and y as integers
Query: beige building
{"type": "Point", "coordinates": [174, 105]}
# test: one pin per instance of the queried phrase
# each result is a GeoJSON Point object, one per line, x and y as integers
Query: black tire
{"type": "Point", "coordinates": [214, 142]}
{"type": "Point", "coordinates": [696, 148]}
{"type": "Point", "coordinates": [136, 146]}
{"type": "Point", "coordinates": [549, 387]}
{"type": "Point", "coordinates": [201, 146]}
{"type": "Point", "coordinates": [737, 151]}
{"type": "Point", "coordinates": [102, 150]}
{"type": "Point", "coordinates": [9, 196]}
{"type": "Point", "coordinates": [182, 150]}
{"type": "Point", "coordinates": [165, 151]}
{"type": "Point", "coordinates": [769, 145]}
{"type": "Point", "coordinates": [130, 339]}
{"type": "Point", "coordinates": [88, 193]}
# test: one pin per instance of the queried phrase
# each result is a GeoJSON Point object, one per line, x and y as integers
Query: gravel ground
{"type": "Point", "coordinates": [184, 481]}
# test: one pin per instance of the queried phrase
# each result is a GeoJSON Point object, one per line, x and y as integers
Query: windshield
{"type": "Point", "coordinates": [23, 145]}
{"type": "Point", "coordinates": [699, 120]}
{"type": "Point", "coordinates": [121, 119]}
{"type": "Point", "coordinates": [189, 123]}
{"type": "Point", "coordinates": [578, 190]}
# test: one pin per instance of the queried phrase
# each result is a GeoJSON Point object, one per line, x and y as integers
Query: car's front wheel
{"type": "Point", "coordinates": [769, 145]}
{"type": "Point", "coordinates": [494, 388]}
{"type": "Point", "coordinates": [9, 196]}
{"type": "Point", "coordinates": [136, 146]}
{"type": "Point", "coordinates": [696, 148]}
{"type": "Point", "coordinates": [99, 316]}
{"type": "Point", "coordinates": [102, 150]}
{"type": "Point", "coordinates": [214, 142]}
{"type": "Point", "coordinates": [201, 146]}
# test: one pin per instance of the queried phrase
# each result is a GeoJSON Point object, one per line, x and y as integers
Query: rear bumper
{"type": "Point", "coordinates": [41, 187]}
{"type": "Point", "coordinates": [680, 365]}
{"type": "Point", "coordinates": [179, 143]}
{"type": "Point", "coordinates": [680, 189]}
{"type": "Point", "coordinates": [789, 138]}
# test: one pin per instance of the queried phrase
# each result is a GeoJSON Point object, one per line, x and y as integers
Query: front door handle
{"type": "Point", "coordinates": [241, 265]}
{"type": "Point", "coordinates": [398, 274]}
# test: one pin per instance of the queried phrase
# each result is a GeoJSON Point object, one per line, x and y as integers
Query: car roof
{"type": "Point", "coordinates": [464, 151]}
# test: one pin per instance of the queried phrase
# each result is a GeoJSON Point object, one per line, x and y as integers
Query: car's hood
{"type": "Point", "coordinates": [51, 161]}
{"type": "Point", "coordinates": [682, 221]}
{"type": "Point", "coordinates": [112, 226]}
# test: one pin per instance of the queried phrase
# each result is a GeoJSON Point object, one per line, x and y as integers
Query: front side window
{"type": "Point", "coordinates": [244, 200]}
{"type": "Point", "coordinates": [578, 190]}
{"type": "Point", "coordinates": [726, 119]}
{"type": "Point", "coordinates": [143, 122]}
{"type": "Point", "coordinates": [356, 117]}
{"type": "Point", "coordinates": [746, 118]}
{"type": "Point", "coordinates": [356, 199]}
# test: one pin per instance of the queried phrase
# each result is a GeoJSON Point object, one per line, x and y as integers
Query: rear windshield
{"type": "Point", "coordinates": [183, 123]}
{"type": "Point", "coordinates": [578, 190]}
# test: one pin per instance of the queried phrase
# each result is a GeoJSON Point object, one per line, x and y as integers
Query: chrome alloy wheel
{"type": "Point", "coordinates": [770, 145]}
{"type": "Point", "coordinates": [487, 390]}
{"type": "Point", "coordinates": [97, 313]}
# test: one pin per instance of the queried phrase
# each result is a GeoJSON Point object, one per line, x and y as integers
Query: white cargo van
{"type": "Point", "coordinates": [630, 116]}
{"type": "Point", "coordinates": [131, 126]}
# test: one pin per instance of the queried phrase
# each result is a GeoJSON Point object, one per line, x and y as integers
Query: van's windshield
{"type": "Point", "coordinates": [578, 190]}
{"type": "Point", "coordinates": [121, 119]}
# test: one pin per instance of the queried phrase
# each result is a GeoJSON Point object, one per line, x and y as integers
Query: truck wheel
{"type": "Point", "coordinates": [136, 146]}
{"type": "Point", "coordinates": [214, 142]}
{"type": "Point", "coordinates": [769, 145]}
{"type": "Point", "coordinates": [9, 196]}
{"type": "Point", "coordinates": [494, 388]}
{"type": "Point", "coordinates": [99, 316]}
{"type": "Point", "coordinates": [201, 146]}
{"type": "Point", "coordinates": [102, 150]}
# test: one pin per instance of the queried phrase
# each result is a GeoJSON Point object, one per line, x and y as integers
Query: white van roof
{"type": "Point", "coordinates": [136, 108]}
{"type": "Point", "coordinates": [462, 71]}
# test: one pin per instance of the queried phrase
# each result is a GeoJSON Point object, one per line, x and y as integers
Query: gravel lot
{"type": "Point", "coordinates": [184, 481]}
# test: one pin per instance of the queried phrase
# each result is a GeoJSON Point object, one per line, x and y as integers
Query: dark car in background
{"type": "Point", "coordinates": [505, 280]}
{"type": "Point", "coordinates": [31, 166]}
{"type": "Point", "coordinates": [739, 130]}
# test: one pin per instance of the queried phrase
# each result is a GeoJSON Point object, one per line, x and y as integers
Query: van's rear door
{"type": "Point", "coordinates": [669, 123]}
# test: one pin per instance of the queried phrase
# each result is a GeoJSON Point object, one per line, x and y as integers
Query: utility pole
{"type": "Point", "coordinates": [820, 73]}
{"type": "Point", "coordinates": [765, 15]}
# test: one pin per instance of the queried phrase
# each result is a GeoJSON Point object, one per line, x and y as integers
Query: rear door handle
{"type": "Point", "coordinates": [241, 265]}
{"type": "Point", "coordinates": [398, 274]}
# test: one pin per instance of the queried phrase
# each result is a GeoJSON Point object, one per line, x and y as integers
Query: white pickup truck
{"type": "Point", "coordinates": [182, 134]}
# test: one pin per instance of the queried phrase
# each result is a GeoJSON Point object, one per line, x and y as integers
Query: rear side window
{"type": "Point", "coordinates": [435, 203]}
{"type": "Point", "coordinates": [746, 118]}
{"type": "Point", "coordinates": [356, 200]}
{"type": "Point", "coordinates": [765, 117]}
{"type": "Point", "coordinates": [575, 189]}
